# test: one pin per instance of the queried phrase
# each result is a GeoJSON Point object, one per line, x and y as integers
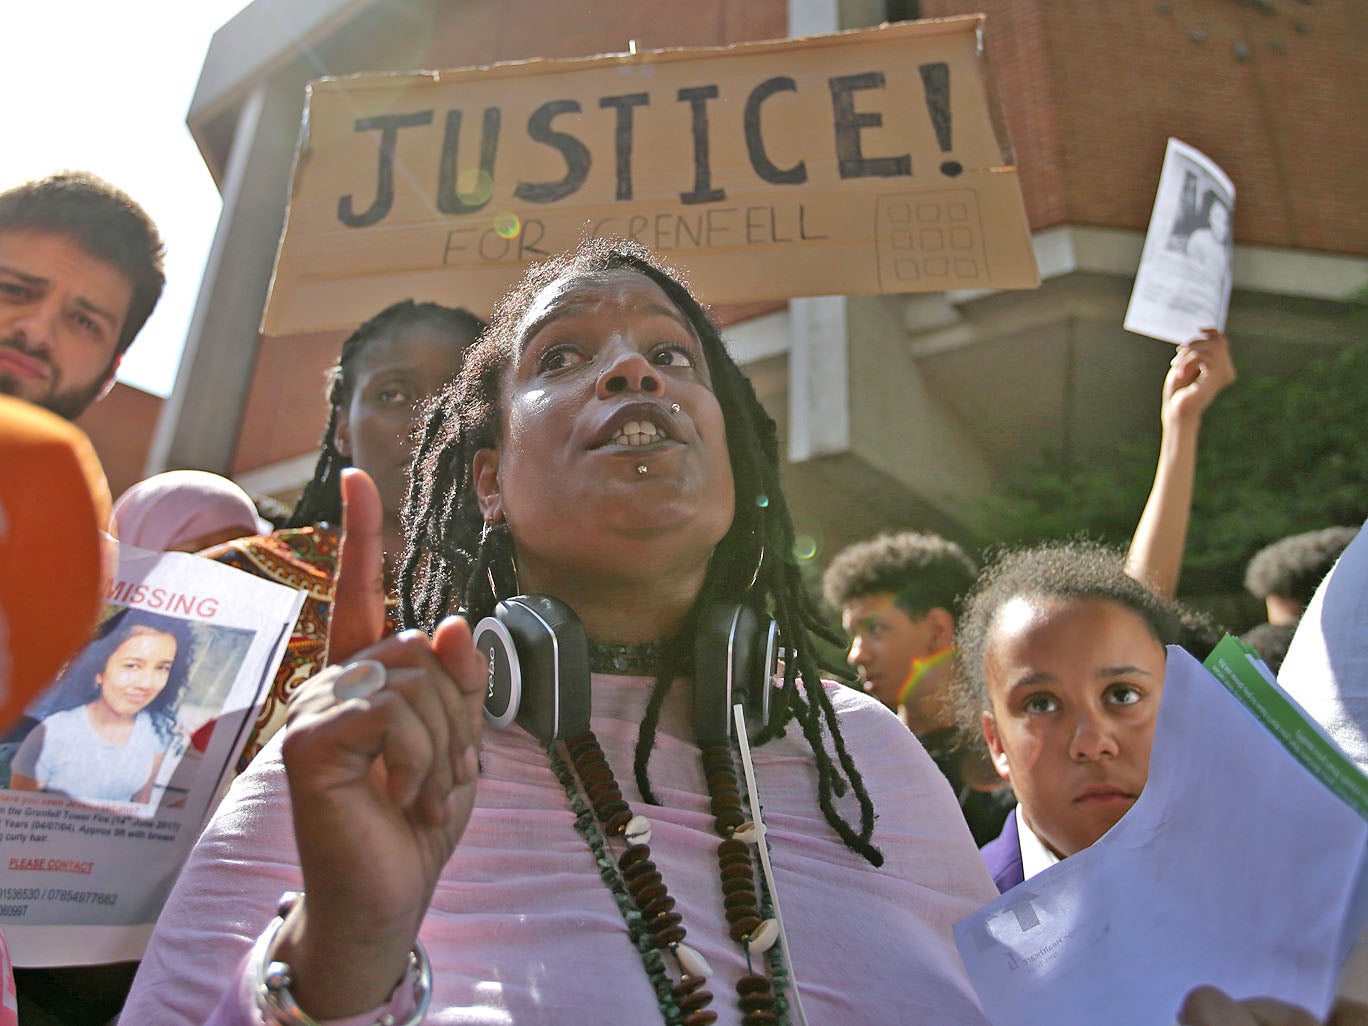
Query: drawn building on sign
{"type": "Point", "coordinates": [929, 238]}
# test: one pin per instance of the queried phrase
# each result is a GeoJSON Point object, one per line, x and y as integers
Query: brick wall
{"type": "Point", "coordinates": [1092, 90]}
{"type": "Point", "coordinates": [484, 31]}
{"type": "Point", "coordinates": [120, 427]}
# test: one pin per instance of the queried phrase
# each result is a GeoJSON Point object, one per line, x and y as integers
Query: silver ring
{"type": "Point", "coordinates": [360, 679]}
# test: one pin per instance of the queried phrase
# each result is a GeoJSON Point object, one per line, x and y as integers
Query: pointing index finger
{"type": "Point", "coordinates": [358, 608]}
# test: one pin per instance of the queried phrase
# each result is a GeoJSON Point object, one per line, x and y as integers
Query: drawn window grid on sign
{"type": "Point", "coordinates": [929, 239]}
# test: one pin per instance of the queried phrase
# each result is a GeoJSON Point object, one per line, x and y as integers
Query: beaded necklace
{"type": "Point", "coordinates": [648, 909]}
{"type": "Point", "coordinates": [611, 657]}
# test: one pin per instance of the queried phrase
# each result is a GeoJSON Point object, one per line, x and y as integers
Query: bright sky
{"type": "Point", "coordinates": [104, 87]}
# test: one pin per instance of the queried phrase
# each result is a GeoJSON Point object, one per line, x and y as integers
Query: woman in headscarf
{"type": "Point", "coordinates": [184, 511]}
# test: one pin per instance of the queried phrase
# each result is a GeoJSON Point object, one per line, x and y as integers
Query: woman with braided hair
{"type": "Point", "coordinates": [601, 449]}
{"type": "Point", "coordinates": [387, 367]}
{"type": "Point", "coordinates": [458, 552]}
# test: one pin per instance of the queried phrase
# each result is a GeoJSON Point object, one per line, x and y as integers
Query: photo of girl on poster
{"type": "Point", "coordinates": [114, 718]}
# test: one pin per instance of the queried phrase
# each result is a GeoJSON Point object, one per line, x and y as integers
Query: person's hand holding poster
{"type": "Point", "coordinates": [108, 777]}
{"type": "Point", "coordinates": [1183, 284]}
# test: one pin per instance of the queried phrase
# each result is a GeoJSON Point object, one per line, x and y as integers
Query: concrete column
{"type": "Point", "coordinates": [819, 393]}
{"type": "Point", "coordinates": [813, 17]}
{"type": "Point", "coordinates": [819, 385]}
{"type": "Point", "coordinates": [819, 401]}
{"type": "Point", "coordinates": [898, 425]}
{"type": "Point", "coordinates": [820, 17]}
{"type": "Point", "coordinates": [199, 424]}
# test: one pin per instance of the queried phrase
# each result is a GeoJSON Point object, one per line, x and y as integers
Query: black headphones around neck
{"type": "Point", "coordinates": [539, 672]}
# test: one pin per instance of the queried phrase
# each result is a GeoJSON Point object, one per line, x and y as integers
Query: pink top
{"type": "Point", "coordinates": [522, 930]}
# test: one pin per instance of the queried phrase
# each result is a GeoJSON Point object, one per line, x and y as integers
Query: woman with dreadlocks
{"type": "Point", "coordinates": [388, 366]}
{"type": "Point", "coordinates": [600, 448]}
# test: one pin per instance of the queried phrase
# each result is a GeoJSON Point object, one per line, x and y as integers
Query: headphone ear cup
{"type": "Point", "coordinates": [503, 690]}
{"type": "Point", "coordinates": [539, 667]}
{"type": "Point", "coordinates": [714, 672]}
{"type": "Point", "coordinates": [769, 654]}
{"type": "Point", "coordinates": [734, 659]}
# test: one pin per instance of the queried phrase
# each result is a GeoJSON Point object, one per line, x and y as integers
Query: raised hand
{"type": "Point", "coordinates": [1199, 371]}
{"type": "Point", "coordinates": [382, 782]}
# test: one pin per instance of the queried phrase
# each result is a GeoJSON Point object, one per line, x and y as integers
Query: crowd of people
{"type": "Point", "coordinates": [593, 474]}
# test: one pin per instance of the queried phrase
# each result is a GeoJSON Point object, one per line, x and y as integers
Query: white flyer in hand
{"type": "Point", "coordinates": [1184, 280]}
{"type": "Point", "coordinates": [109, 777]}
{"type": "Point", "coordinates": [1236, 867]}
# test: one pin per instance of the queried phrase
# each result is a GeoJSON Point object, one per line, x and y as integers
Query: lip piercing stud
{"type": "Point", "coordinates": [641, 468]}
{"type": "Point", "coordinates": [674, 407]}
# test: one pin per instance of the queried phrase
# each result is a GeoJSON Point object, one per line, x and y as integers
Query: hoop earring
{"type": "Point", "coordinates": [760, 560]}
{"type": "Point", "coordinates": [486, 533]}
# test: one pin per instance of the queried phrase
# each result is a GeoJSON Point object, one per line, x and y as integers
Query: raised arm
{"type": "Point", "coordinates": [1199, 371]}
{"type": "Point", "coordinates": [379, 780]}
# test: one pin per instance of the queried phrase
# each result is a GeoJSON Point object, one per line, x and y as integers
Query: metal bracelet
{"type": "Point", "coordinates": [271, 979]}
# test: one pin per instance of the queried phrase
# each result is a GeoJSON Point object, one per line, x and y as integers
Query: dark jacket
{"type": "Point", "coordinates": [1002, 856]}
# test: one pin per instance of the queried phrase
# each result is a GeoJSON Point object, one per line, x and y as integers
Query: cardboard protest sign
{"type": "Point", "coordinates": [863, 162]}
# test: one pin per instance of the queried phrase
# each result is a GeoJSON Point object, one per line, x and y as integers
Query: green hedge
{"type": "Point", "coordinates": [1276, 457]}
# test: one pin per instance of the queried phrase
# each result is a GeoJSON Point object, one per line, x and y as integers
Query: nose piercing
{"type": "Point", "coordinates": [674, 407]}
{"type": "Point", "coordinates": [641, 468]}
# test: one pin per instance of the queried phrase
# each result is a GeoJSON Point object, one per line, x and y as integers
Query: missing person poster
{"type": "Point", "coordinates": [108, 778]}
{"type": "Point", "coordinates": [864, 162]}
{"type": "Point", "coordinates": [1184, 281]}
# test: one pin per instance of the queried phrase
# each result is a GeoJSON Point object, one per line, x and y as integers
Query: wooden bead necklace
{"type": "Point", "coordinates": [648, 909]}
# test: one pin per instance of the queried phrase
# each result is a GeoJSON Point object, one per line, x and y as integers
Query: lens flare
{"type": "Point", "coordinates": [474, 186]}
{"type": "Point", "coordinates": [507, 225]}
{"type": "Point", "coordinates": [762, 501]}
{"type": "Point", "coordinates": [804, 547]}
